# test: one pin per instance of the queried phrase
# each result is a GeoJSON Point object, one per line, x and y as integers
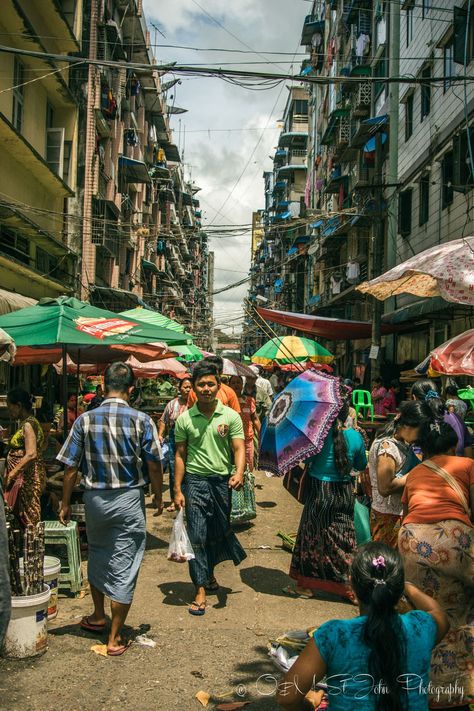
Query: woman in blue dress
{"type": "Point", "coordinates": [379, 661]}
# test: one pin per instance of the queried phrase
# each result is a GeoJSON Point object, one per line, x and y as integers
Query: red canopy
{"type": "Point", "coordinates": [331, 328]}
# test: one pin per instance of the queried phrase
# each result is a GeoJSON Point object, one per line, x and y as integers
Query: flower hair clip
{"type": "Point", "coordinates": [379, 563]}
{"type": "Point", "coordinates": [432, 395]}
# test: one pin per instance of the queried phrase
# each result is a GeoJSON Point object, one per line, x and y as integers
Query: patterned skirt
{"type": "Point", "coordinates": [439, 559]}
{"type": "Point", "coordinates": [326, 541]}
{"type": "Point", "coordinates": [384, 527]}
{"type": "Point", "coordinates": [28, 506]}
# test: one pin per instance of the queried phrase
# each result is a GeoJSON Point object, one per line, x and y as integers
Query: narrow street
{"type": "Point", "coordinates": [223, 653]}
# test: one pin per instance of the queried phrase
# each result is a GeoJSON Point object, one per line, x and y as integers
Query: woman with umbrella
{"type": "Point", "coordinates": [326, 539]}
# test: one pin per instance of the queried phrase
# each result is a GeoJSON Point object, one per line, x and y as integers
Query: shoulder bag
{"type": "Point", "coordinates": [452, 483]}
{"type": "Point", "coordinates": [296, 482]}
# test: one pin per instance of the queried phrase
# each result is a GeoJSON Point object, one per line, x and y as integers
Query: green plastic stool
{"type": "Point", "coordinates": [56, 534]}
{"type": "Point", "coordinates": [362, 400]}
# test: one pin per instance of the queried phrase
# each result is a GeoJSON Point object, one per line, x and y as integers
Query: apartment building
{"type": "Point", "coordinates": [39, 122]}
{"type": "Point", "coordinates": [348, 199]}
{"type": "Point", "coordinates": [279, 232]}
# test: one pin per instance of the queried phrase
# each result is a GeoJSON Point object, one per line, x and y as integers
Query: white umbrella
{"type": "Point", "coordinates": [446, 270]}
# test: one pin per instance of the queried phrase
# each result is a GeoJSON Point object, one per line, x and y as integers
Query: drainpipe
{"type": "Point", "coordinates": [88, 249]}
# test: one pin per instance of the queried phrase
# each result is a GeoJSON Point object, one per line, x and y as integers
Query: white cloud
{"type": "Point", "coordinates": [217, 158]}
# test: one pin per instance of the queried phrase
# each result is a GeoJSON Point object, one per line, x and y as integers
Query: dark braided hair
{"type": "Point", "coordinates": [378, 580]}
{"type": "Point", "coordinates": [341, 457]}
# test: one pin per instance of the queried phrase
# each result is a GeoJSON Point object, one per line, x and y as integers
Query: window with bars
{"type": "Point", "coordinates": [405, 201]}
{"type": "Point", "coordinates": [448, 65]}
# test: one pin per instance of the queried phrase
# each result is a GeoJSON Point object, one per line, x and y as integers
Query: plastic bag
{"type": "Point", "coordinates": [180, 549]}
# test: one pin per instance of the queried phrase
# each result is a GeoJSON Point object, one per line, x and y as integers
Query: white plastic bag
{"type": "Point", "coordinates": [180, 549]}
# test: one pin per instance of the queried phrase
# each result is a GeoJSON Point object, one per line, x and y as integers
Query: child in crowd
{"type": "Point", "coordinates": [379, 661]}
{"type": "Point", "coordinates": [248, 412]}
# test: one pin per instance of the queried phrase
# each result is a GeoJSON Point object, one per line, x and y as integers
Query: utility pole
{"type": "Point", "coordinates": [392, 174]}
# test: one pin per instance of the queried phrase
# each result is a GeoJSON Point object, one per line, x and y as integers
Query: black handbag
{"type": "Point", "coordinates": [296, 482]}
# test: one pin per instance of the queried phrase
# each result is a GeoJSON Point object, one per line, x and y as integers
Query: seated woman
{"type": "Point", "coordinates": [24, 459]}
{"type": "Point", "coordinates": [436, 541]}
{"type": "Point", "coordinates": [326, 538]}
{"type": "Point", "coordinates": [379, 660]}
{"type": "Point", "coordinates": [390, 458]}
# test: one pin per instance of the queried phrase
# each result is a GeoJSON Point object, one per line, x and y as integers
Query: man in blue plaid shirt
{"type": "Point", "coordinates": [117, 451]}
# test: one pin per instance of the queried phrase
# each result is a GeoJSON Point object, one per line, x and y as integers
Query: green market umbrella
{"type": "Point", "coordinates": [70, 322]}
{"type": "Point", "coordinates": [291, 349]}
{"type": "Point", "coordinates": [155, 318]}
{"type": "Point", "coordinates": [189, 353]}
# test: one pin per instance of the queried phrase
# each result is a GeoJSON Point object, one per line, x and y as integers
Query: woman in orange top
{"type": "Point", "coordinates": [436, 541]}
{"type": "Point", "coordinates": [250, 419]}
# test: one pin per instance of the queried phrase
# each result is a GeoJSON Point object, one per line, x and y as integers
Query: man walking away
{"type": "Point", "coordinates": [117, 451]}
{"type": "Point", "coordinates": [206, 436]}
{"type": "Point", "coordinates": [225, 393]}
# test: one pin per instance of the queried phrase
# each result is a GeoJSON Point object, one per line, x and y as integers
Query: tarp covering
{"type": "Point", "coordinates": [331, 328]}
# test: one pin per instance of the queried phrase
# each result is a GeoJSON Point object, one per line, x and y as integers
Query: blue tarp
{"type": "Point", "coordinates": [284, 216]}
{"type": "Point", "coordinates": [372, 142]}
{"type": "Point", "coordinates": [331, 226]}
{"type": "Point", "coordinates": [376, 120]}
{"type": "Point", "coordinates": [315, 225]}
{"type": "Point", "coordinates": [277, 286]}
{"type": "Point", "coordinates": [292, 251]}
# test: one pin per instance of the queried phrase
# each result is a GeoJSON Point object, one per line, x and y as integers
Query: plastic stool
{"type": "Point", "coordinates": [57, 534]}
{"type": "Point", "coordinates": [362, 400]}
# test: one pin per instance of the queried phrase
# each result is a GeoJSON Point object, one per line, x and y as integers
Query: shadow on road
{"type": "Point", "coordinates": [257, 680]}
{"type": "Point", "coordinates": [268, 581]}
{"type": "Point", "coordinates": [266, 504]}
{"type": "Point", "coordinates": [154, 543]}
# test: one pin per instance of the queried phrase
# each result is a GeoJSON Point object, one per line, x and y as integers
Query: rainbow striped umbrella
{"type": "Point", "coordinates": [291, 349]}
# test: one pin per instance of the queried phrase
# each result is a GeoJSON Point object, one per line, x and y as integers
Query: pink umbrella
{"type": "Point", "coordinates": [446, 270]}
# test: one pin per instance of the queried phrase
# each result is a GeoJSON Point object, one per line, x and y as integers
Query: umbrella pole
{"type": "Point", "coordinates": [264, 325]}
{"type": "Point", "coordinates": [78, 375]}
{"type": "Point", "coordinates": [64, 389]}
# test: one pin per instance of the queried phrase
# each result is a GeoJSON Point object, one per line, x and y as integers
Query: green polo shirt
{"type": "Point", "coordinates": [209, 448]}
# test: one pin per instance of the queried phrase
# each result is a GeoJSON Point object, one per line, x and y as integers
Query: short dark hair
{"type": "Point", "coordinates": [451, 390]}
{"type": "Point", "coordinates": [18, 396]}
{"type": "Point", "coordinates": [217, 361]}
{"type": "Point", "coordinates": [118, 377]}
{"type": "Point", "coordinates": [204, 367]}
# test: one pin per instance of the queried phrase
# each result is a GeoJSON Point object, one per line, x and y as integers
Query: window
{"type": "Point", "coordinates": [15, 245]}
{"type": "Point", "coordinates": [381, 71]}
{"type": "Point", "coordinates": [300, 107]}
{"type": "Point", "coordinates": [425, 8]}
{"type": "Point", "coordinates": [409, 22]}
{"type": "Point", "coordinates": [424, 195]}
{"type": "Point", "coordinates": [448, 65]}
{"type": "Point", "coordinates": [426, 92]}
{"type": "Point", "coordinates": [409, 116]}
{"type": "Point", "coordinates": [404, 212]}
{"type": "Point", "coordinates": [46, 263]}
{"type": "Point", "coordinates": [18, 94]}
{"type": "Point", "coordinates": [447, 194]}
{"type": "Point", "coordinates": [67, 160]}
{"type": "Point", "coordinates": [459, 37]}
{"type": "Point", "coordinates": [462, 173]}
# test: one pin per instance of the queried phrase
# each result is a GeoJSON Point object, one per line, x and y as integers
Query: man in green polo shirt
{"type": "Point", "coordinates": [207, 437]}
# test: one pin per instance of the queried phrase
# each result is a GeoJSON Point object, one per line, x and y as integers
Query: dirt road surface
{"type": "Point", "coordinates": [223, 653]}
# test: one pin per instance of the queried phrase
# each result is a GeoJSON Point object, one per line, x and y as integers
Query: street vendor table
{"type": "Point", "coordinates": [373, 428]}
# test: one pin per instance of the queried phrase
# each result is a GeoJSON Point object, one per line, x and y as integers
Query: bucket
{"type": "Point", "coordinates": [27, 633]}
{"type": "Point", "coordinates": [51, 570]}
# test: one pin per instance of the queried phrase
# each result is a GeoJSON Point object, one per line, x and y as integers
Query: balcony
{"type": "Point", "coordinates": [334, 133]}
{"type": "Point", "coordinates": [280, 157]}
{"type": "Point", "coordinates": [294, 138]}
{"type": "Point", "coordinates": [30, 161]}
{"type": "Point", "coordinates": [312, 25]}
{"type": "Point", "coordinates": [336, 181]}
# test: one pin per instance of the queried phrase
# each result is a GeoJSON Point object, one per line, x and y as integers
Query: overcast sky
{"type": "Point", "coordinates": [216, 158]}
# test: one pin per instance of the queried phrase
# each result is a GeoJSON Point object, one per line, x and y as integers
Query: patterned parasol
{"type": "Point", "coordinates": [291, 349]}
{"type": "Point", "coordinates": [446, 270]}
{"type": "Point", "coordinates": [299, 421]}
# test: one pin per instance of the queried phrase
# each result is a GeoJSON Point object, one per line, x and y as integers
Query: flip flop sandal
{"type": "Point", "coordinates": [198, 610]}
{"type": "Point", "coordinates": [90, 626]}
{"type": "Point", "coordinates": [119, 650]}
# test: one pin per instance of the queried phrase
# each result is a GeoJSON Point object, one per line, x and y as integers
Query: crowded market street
{"type": "Point", "coordinates": [225, 654]}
